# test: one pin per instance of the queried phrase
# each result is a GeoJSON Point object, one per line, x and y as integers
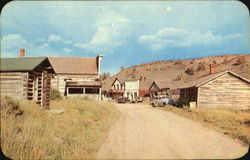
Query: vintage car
{"type": "Point", "coordinates": [160, 100]}
{"type": "Point", "coordinates": [122, 100]}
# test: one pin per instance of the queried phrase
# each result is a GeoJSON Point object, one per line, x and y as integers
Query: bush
{"type": "Point", "coordinates": [179, 77]}
{"type": "Point", "coordinates": [178, 63]}
{"type": "Point", "coordinates": [55, 94]}
{"type": "Point", "coordinates": [225, 61]}
{"type": "Point", "coordinates": [201, 66]}
{"type": "Point", "coordinates": [241, 60]}
{"type": "Point", "coordinates": [214, 62]}
{"type": "Point", "coordinates": [190, 70]}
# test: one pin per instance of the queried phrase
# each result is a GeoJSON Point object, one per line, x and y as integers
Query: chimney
{"type": "Point", "coordinates": [212, 68]}
{"type": "Point", "coordinates": [99, 58]}
{"type": "Point", "coordinates": [22, 53]}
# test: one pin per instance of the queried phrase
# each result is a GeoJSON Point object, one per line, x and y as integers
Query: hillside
{"type": "Point", "coordinates": [172, 69]}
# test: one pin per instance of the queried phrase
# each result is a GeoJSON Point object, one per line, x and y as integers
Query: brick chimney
{"type": "Point", "coordinates": [22, 53]}
{"type": "Point", "coordinates": [212, 68]}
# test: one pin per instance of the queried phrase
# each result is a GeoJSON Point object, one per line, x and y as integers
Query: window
{"type": "Point", "coordinates": [121, 86]}
{"type": "Point", "coordinates": [91, 90]}
{"type": "Point", "coordinates": [75, 90]}
{"type": "Point", "coordinates": [135, 94]}
{"type": "Point", "coordinates": [117, 86]}
{"type": "Point", "coordinates": [114, 86]}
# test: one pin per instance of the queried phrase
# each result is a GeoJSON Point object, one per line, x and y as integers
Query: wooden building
{"type": "Point", "coordinates": [159, 87]}
{"type": "Point", "coordinates": [164, 87]}
{"type": "Point", "coordinates": [124, 88]}
{"type": "Point", "coordinates": [144, 89]}
{"type": "Point", "coordinates": [77, 76]}
{"type": "Point", "coordinates": [26, 78]}
{"type": "Point", "coordinates": [217, 90]}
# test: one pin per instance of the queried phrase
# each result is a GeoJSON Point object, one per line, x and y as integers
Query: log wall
{"type": "Point", "coordinates": [14, 84]}
{"type": "Point", "coordinates": [226, 91]}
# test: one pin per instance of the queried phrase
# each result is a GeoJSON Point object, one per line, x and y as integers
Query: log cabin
{"type": "Point", "coordinates": [163, 87]}
{"type": "Point", "coordinates": [77, 76]}
{"type": "Point", "coordinates": [26, 78]}
{"type": "Point", "coordinates": [224, 89]}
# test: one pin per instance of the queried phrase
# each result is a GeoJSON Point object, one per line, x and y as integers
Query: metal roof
{"type": "Point", "coordinates": [20, 64]}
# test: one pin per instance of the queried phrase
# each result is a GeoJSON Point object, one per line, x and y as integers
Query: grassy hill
{"type": "Point", "coordinates": [172, 69]}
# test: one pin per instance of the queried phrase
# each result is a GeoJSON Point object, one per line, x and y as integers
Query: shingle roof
{"type": "Point", "coordinates": [209, 77]}
{"type": "Point", "coordinates": [74, 65]}
{"type": "Point", "coordinates": [20, 64]}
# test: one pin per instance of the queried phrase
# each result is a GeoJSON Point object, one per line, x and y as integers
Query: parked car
{"type": "Point", "coordinates": [138, 100]}
{"type": "Point", "coordinates": [160, 100]}
{"type": "Point", "coordinates": [123, 100]}
{"type": "Point", "coordinates": [173, 102]}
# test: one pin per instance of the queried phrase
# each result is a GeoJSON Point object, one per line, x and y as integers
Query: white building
{"type": "Point", "coordinates": [125, 88]}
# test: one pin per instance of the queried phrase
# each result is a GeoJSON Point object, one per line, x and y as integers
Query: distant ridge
{"type": "Point", "coordinates": [176, 69]}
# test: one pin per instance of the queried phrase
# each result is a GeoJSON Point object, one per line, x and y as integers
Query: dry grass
{"type": "Point", "coordinates": [230, 122]}
{"type": "Point", "coordinates": [75, 134]}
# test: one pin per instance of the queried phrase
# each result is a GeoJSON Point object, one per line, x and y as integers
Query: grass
{"type": "Point", "coordinates": [234, 123]}
{"type": "Point", "coordinates": [38, 134]}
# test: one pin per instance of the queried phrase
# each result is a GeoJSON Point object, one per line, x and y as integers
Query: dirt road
{"type": "Point", "coordinates": [143, 132]}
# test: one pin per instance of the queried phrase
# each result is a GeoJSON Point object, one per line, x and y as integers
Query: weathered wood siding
{"type": "Point", "coordinates": [14, 84]}
{"type": "Point", "coordinates": [59, 83]}
{"type": "Point", "coordinates": [188, 95]}
{"type": "Point", "coordinates": [226, 91]}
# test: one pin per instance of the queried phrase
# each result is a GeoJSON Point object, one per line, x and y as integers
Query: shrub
{"type": "Point", "coordinates": [225, 61]}
{"type": "Point", "coordinates": [201, 66]}
{"type": "Point", "coordinates": [55, 94]}
{"type": "Point", "coordinates": [178, 63]}
{"type": "Point", "coordinates": [214, 62]}
{"type": "Point", "coordinates": [179, 77]}
{"type": "Point", "coordinates": [190, 70]}
{"type": "Point", "coordinates": [241, 60]}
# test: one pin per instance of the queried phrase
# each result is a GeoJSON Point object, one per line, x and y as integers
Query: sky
{"type": "Point", "coordinates": [126, 32]}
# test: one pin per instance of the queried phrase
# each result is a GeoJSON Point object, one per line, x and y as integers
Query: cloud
{"type": "Point", "coordinates": [67, 41]}
{"type": "Point", "coordinates": [45, 45]}
{"type": "Point", "coordinates": [112, 31]}
{"type": "Point", "coordinates": [40, 39]}
{"type": "Point", "coordinates": [14, 41]}
{"type": "Point", "coordinates": [54, 38]}
{"type": "Point", "coordinates": [67, 50]}
{"type": "Point", "coordinates": [10, 45]}
{"type": "Point", "coordinates": [167, 8]}
{"type": "Point", "coordinates": [174, 37]}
